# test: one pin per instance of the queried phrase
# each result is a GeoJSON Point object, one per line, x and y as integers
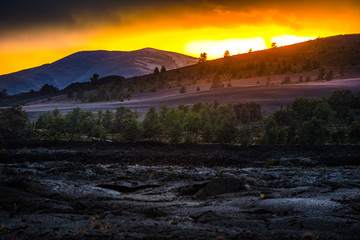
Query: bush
{"type": "Point", "coordinates": [287, 80]}
{"type": "Point", "coordinates": [329, 76]}
{"type": "Point", "coordinates": [182, 90]}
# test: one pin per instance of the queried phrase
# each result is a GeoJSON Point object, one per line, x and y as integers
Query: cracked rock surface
{"type": "Point", "coordinates": [70, 199]}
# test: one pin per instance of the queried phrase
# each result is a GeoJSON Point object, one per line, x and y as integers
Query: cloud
{"type": "Point", "coordinates": [73, 13]}
{"type": "Point", "coordinates": [25, 14]}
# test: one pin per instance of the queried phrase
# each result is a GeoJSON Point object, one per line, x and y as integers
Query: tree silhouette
{"type": "Point", "coordinates": [250, 50]}
{"type": "Point", "coordinates": [226, 54]}
{"type": "Point", "coordinates": [130, 131]}
{"type": "Point", "coordinates": [94, 78]}
{"type": "Point", "coordinates": [203, 57]}
{"type": "Point", "coordinates": [273, 45]}
{"type": "Point", "coordinates": [163, 69]}
{"type": "Point", "coordinates": [4, 92]}
{"type": "Point", "coordinates": [156, 70]}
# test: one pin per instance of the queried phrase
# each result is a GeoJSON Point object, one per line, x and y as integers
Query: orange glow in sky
{"type": "Point", "coordinates": [216, 48]}
{"type": "Point", "coordinates": [188, 27]}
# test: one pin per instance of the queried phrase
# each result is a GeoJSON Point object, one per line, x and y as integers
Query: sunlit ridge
{"type": "Point", "coordinates": [216, 48]}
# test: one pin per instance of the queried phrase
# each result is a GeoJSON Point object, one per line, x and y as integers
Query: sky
{"type": "Point", "coordinates": [36, 32]}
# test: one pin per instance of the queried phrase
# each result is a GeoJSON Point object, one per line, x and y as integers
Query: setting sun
{"type": "Point", "coordinates": [47, 33]}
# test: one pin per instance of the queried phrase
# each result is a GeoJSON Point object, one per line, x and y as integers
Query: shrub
{"type": "Point", "coordinates": [182, 90]}
{"type": "Point", "coordinates": [286, 81]}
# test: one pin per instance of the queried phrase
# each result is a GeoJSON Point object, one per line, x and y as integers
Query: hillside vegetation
{"type": "Point", "coordinates": [320, 59]}
{"type": "Point", "coordinates": [331, 57]}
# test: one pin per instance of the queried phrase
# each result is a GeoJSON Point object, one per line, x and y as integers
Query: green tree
{"type": "Point", "coordinates": [269, 131]}
{"type": "Point", "coordinates": [73, 121]}
{"type": "Point", "coordinates": [175, 131]}
{"type": "Point", "coordinates": [341, 101]}
{"type": "Point", "coordinates": [151, 124]}
{"type": "Point", "coordinates": [244, 136]}
{"type": "Point", "coordinates": [192, 122]}
{"type": "Point", "coordinates": [354, 132]}
{"type": "Point", "coordinates": [13, 122]}
{"type": "Point", "coordinates": [162, 113]}
{"type": "Point", "coordinates": [255, 111]}
{"type": "Point", "coordinates": [302, 108]}
{"type": "Point", "coordinates": [131, 129]}
{"type": "Point", "coordinates": [244, 114]}
{"type": "Point", "coordinates": [284, 117]}
{"type": "Point", "coordinates": [314, 131]}
{"type": "Point", "coordinates": [57, 125]}
{"type": "Point", "coordinates": [107, 119]}
{"type": "Point", "coordinates": [207, 132]}
{"type": "Point", "coordinates": [226, 131]}
{"type": "Point", "coordinates": [118, 121]}
{"type": "Point", "coordinates": [323, 111]}
{"type": "Point", "coordinates": [100, 116]}
{"type": "Point", "coordinates": [43, 121]}
{"type": "Point", "coordinates": [99, 132]}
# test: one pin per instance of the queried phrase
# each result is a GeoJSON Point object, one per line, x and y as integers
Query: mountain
{"type": "Point", "coordinates": [80, 66]}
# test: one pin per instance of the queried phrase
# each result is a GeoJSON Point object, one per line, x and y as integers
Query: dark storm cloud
{"type": "Point", "coordinates": [39, 13]}
{"type": "Point", "coordinates": [24, 14]}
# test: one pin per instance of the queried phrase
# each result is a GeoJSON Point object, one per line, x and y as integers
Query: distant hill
{"type": "Point", "coordinates": [80, 66]}
{"type": "Point", "coordinates": [315, 60]}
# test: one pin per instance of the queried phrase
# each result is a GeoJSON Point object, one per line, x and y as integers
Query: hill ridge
{"type": "Point", "coordinates": [79, 67]}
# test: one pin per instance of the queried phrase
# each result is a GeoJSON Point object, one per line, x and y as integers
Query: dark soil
{"type": "Point", "coordinates": [157, 191]}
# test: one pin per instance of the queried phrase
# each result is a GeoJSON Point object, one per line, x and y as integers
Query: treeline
{"type": "Point", "coordinates": [333, 120]}
{"type": "Point", "coordinates": [203, 122]}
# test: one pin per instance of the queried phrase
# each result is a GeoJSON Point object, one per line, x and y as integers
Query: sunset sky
{"type": "Point", "coordinates": [36, 32]}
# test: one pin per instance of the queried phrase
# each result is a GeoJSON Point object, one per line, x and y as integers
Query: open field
{"type": "Point", "coordinates": [159, 191]}
{"type": "Point", "coordinates": [271, 97]}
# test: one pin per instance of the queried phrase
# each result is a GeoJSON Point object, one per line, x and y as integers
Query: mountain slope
{"type": "Point", "coordinates": [80, 66]}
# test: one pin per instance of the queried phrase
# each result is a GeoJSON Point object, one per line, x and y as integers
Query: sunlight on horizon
{"type": "Point", "coordinates": [216, 48]}
{"type": "Point", "coordinates": [284, 40]}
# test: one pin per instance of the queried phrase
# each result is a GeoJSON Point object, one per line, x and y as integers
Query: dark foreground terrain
{"type": "Point", "coordinates": [158, 191]}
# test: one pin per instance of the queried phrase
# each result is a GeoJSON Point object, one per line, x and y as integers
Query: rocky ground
{"type": "Point", "coordinates": [159, 191]}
